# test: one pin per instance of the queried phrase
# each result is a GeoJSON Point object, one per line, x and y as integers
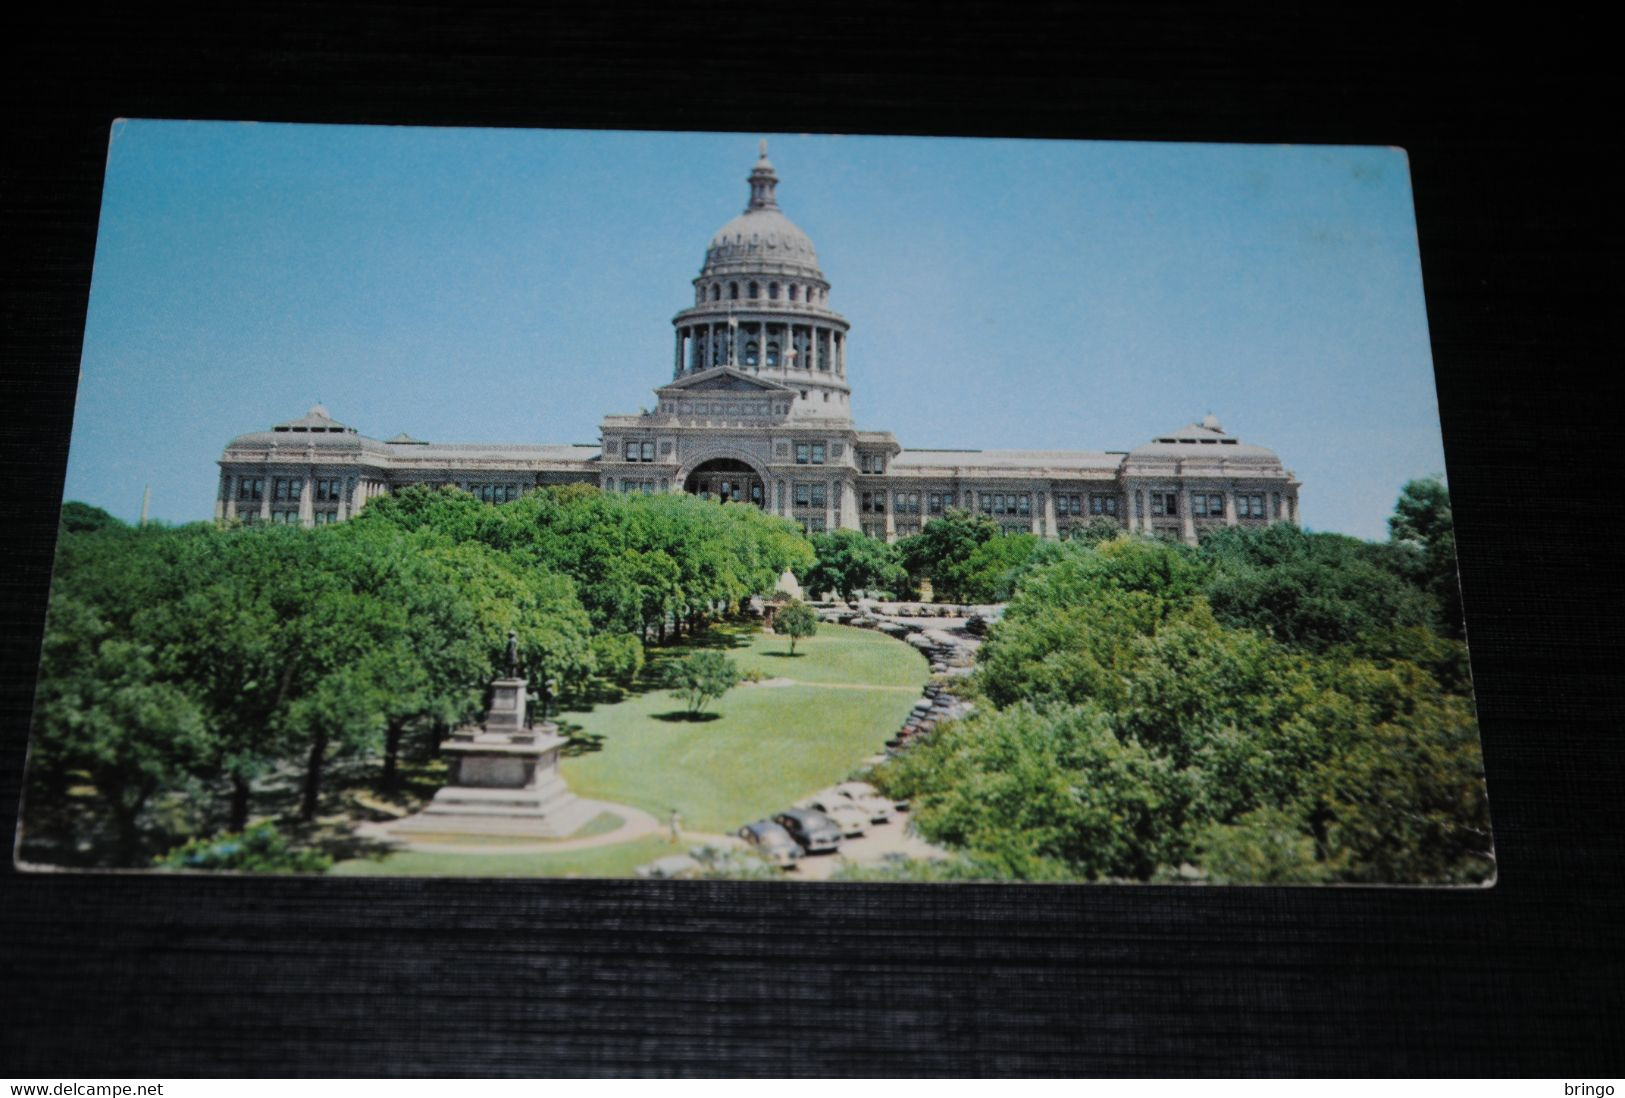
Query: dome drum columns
{"type": "Point", "coordinates": [758, 344]}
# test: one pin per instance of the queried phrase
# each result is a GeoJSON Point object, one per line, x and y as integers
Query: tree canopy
{"type": "Point", "coordinates": [1274, 706]}
{"type": "Point", "coordinates": [188, 667]}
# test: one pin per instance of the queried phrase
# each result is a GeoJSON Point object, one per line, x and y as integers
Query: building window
{"type": "Point", "coordinates": [872, 463]}
{"type": "Point", "coordinates": [818, 497]}
{"type": "Point", "coordinates": [772, 291]}
{"type": "Point", "coordinates": [640, 451]}
{"type": "Point", "coordinates": [875, 530]}
{"type": "Point", "coordinates": [285, 518]}
{"type": "Point", "coordinates": [907, 529]}
{"type": "Point", "coordinates": [251, 488]}
{"type": "Point", "coordinates": [813, 525]}
{"type": "Point", "coordinates": [329, 490]}
{"type": "Point", "coordinates": [1164, 503]}
{"type": "Point", "coordinates": [934, 503]}
{"type": "Point", "coordinates": [494, 493]}
{"type": "Point", "coordinates": [1250, 506]}
{"type": "Point", "coordinates": [716, 293]}
{"type": "Point", "coordinates": [1024, 505]}
{"type": "Point", "coordinates": [754, 291]}
{"type": "Point", "coordinates": [324, 518]}
{"type": "Point", "coordinates": [733, 291]}
{"type": "Point", "coordinates": [1103, 505]}
{"type": "Point", "coordinates": [752, 353]}
{"type": "Point", "coordinates": [803, 496]}
{"type": "Point", "coordinates": [1275, 503]}
{"type": "Point", "coordinates": [872, 503]}
{"type": "Point", "coordinates": [809, 453]}
{"type": "Point", "coordinates": [906, 503]}
{"type": "Point", "coordinates": [773, 353]}
{"type": "Point", "coordinates": [287, 488]}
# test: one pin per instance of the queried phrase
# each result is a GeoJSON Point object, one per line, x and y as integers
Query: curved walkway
{"type": "Point", "coordinates": [635, 824]}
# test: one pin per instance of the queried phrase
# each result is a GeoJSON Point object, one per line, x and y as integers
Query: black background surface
{"type": "Point", "coordinates": [1512, 148]}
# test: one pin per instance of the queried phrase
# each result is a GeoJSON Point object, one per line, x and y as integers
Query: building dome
{"type": "Point", "coordinates": [761, 239]}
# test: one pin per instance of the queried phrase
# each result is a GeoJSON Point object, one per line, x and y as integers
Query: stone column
{"type": "Point", "coordinates": [265, 498]}
{"type": "Point", "coordinates": [230, 509]}
{"type": "Point", "coordinates": [307, 501]}
{"type": "Point", "coordinates": [1187, 517]}
{"type": "Point", "coordinates": [1230, 506]}
{"type": "Point", "coordinates": [677, 370]}
{"type": "Point", "coordinates": [890, 496]}
{"type": "Point", "coordinates": [829, 504]}
{"type": "Point", "coordinates": [849, 506]}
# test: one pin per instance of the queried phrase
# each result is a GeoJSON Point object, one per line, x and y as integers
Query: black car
{"type": "Point", "coordinates": [815, 831]}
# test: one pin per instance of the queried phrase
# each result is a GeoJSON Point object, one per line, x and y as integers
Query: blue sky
{"type": "Point", "coordinates": [517, 285]}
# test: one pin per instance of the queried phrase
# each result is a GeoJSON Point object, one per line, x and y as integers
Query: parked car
{"type": "Point", "coordinates": [878, 808]}
{"type": "Point", "coordinates": [772, 842]}
{"type": "Point", "coordinates": [861, 791]}
{"type": "Point", "coordinates": [814, 831]}
{"type": "Point", "coordinates": [852, 820]}
{"type": "Point", "coordinates": [671, 867]}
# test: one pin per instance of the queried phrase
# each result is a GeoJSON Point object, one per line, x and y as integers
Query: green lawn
{"type": "Point", "coordinates": [598, 861]}
{"type": "Point", "coordinates": [767, 746]}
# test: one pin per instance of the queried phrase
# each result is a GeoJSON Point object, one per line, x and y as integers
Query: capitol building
{"type": "Point", "coordinates": [758, 410]}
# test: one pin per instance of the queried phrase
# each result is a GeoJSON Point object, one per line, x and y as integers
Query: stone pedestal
{"type": "Point", "coordinates": [504, 777]}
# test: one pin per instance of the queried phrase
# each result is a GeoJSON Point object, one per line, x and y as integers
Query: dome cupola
{"type": "Point", "coordinates": [761, 240]}
{"type": "Point", "coordinates": [761, 306]}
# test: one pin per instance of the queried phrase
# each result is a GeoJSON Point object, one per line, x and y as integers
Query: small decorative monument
{"type": "Point", "coordinates": [504, 774]}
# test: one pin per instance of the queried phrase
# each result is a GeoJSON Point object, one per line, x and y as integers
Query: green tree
{"type": "Point", "coordinates": [703, 678]}
{"type": "Point", "coordinates": [850, 561]}
{"type": "Point", "coordinates": [82, 518]}
{"type": "Point", "coordinates": [1423, 523]}
{"type": "Point", "coordinates": [1309, 590]}
{"type": "Point", "coordinates": [942, 552]}
{"type": "Point", "coordinates": [102, 712]}
{"type": "Point", "coordinates": [989, 573]}
{"type": "Point", "coordinates": [1032, 794]}
{"type": "Point", "coordinates": [794, 621]}
{"type": "Point", "coordinates": [619, 656]}
{"type": "Point", "coordinates": [1265, 846]}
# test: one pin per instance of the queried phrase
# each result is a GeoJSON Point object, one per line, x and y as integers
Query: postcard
{"type": "Point", "coordinates": [783, 508]}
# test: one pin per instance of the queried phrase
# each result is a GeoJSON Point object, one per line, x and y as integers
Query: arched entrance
{"type": "Point", "coordinates": [728, 480]}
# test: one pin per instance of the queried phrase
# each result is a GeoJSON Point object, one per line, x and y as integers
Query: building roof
{"type": "Point", "coordinates": [315, 421]}
{"type": "Point", "coordinates": [994, 461]}
{"type": "Point", "coordinates": [1204, 441]}
{"type": "Point", "coordinates": [761, 237]}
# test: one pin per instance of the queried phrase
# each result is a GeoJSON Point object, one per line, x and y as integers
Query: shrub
{"type": "Point", "coordinates": [257, 849]}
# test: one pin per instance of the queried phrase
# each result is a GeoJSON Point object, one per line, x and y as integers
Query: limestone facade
{"type": "Point", "coordinates": [757, 411]}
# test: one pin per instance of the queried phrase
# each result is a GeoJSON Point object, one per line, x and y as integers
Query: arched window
{"type": "Point", "coordinates": [733, 291]}
{"type": "Point", "coordinates": [773, 352]}
{"type": "Point", "coordinates": [754, 291]}
{"type": "Point", "coordinates": [751, 353]}
{"type": "Point", "coordinates": [716, 293]}
{"type": "Point", "coordinates": [792, 291]}
{"type": "Point", "coordinates": [773, 291]}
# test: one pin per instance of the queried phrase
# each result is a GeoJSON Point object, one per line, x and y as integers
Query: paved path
{"type": "Point", "coordinates": [635, 824]}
